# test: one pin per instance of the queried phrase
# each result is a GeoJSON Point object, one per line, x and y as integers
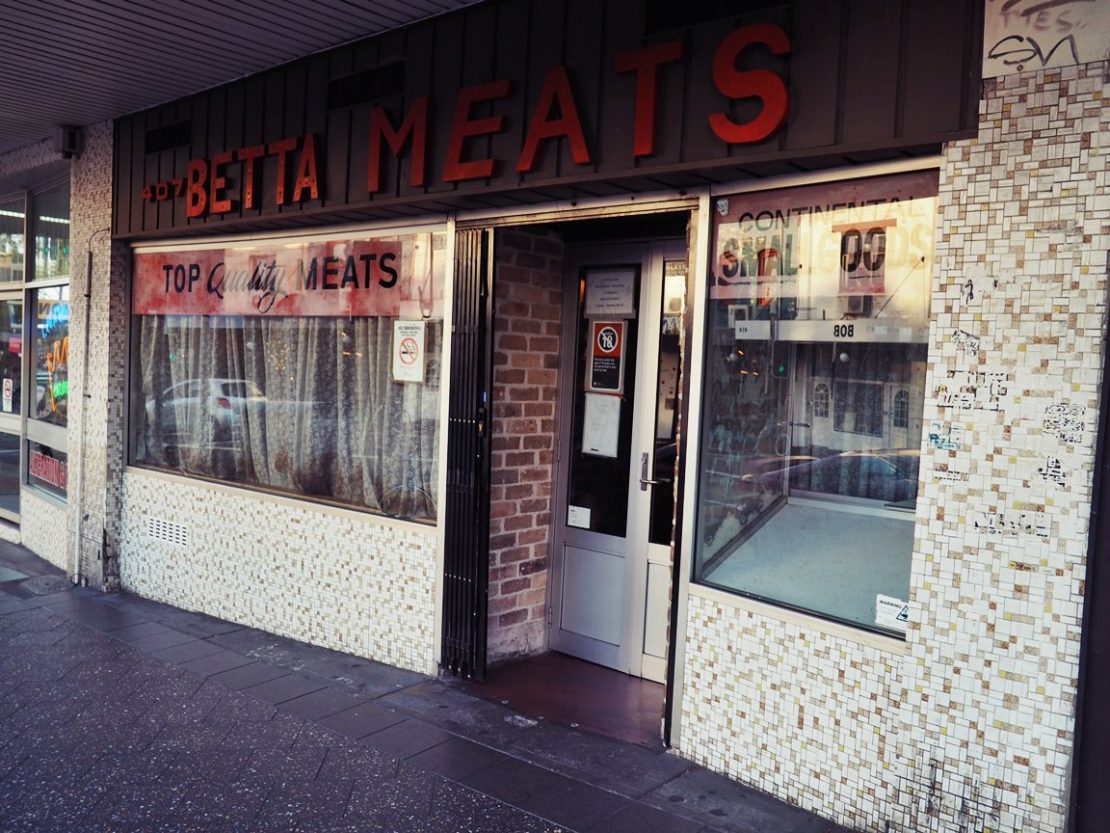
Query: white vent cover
{"type": "Point", "coordinates": [168, 531]}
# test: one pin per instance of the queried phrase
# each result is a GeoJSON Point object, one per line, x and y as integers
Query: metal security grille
{"type": "Point", "coordinates": [466, 550]}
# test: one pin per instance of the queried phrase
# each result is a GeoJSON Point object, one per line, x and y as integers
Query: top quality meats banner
{"type": "Point", "coordinates": [399, 277]}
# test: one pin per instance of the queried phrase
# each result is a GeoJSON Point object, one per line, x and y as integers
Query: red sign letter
{"type": "Point", "coordinates": [414, 128]}
{"type": "Point", "coordinates": [463, 127]}
{"type": "Point", "coordinates": [248, 155]}
{"type": "Point", "coordinates": [645, 63]}
{"type": "Point", "coordinates": [306, 171]}
{"type": "Point", "coordinates": [282, 148]}
{"type": "Point", "coordinates": [556, 89]}
{"type": "Point", "coordinates": [218, 183]}
{"type": "Point", "coordinates": [754, 83]}
{"type": "Point", "coordinates": [196, 197]}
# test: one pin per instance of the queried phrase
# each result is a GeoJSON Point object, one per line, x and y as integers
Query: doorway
{"type": "Point", "coordinates": [615, 483]}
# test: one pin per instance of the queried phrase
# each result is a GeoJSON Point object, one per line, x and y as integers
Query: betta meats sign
{"type": "Point", "coordinates": [228, 181]}
{"type": "Point", "coordinates": [345, 278]}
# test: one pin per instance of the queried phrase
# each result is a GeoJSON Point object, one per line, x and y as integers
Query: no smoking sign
{"type": "Point", "coordinates": [408, 351]}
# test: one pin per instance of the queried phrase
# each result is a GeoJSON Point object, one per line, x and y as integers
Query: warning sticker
{"type": "Point", "coordinates": [891, 613]}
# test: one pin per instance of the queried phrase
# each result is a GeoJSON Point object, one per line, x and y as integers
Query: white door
{"type": "Point", "coordinates": [619, 385]}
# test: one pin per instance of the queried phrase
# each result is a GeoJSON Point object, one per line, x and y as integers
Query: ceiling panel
{"type": "Point", "coordinates": [76, 62]}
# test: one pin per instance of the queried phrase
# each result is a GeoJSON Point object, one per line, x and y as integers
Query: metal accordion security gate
{"type": "Point", "coordinates": [466, 543]}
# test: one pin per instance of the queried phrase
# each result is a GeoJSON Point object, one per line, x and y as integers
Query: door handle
{"type": "Point", "coordinates": [644, 480]}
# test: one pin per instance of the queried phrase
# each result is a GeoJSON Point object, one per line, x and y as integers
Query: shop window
{"type": "Point", "coordinates": [821, 400]}
{"type": "Point", "coordinates": [51, 232]}
{"type": "Point", "coordinates": [307, 367]}
{"type": "Point", "coordinates": [48, 469]}
{"type": "Point", "coordinates": [900, 409]}
{"type": "Point", "coordinates": [12, 216]}
{"type": "Point", "coordinates": [809, 512]}
{"type": "Point", "coordinates": [50, 354]}
{"type": "Point", "coordinates": [9, 475]}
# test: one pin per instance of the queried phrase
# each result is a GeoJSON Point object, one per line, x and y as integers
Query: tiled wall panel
{"type": "Point", "coordinates": [341, 579]}
{"type": "Point", "coordinates": [973, 728]}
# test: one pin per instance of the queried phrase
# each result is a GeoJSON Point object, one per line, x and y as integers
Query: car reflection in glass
{"type": "Point", "coordinates": [889, 475]}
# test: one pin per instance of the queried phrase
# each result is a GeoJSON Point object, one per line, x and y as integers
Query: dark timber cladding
{"type": "Point", "coordinates": [466, 547]}
{"type": "Point", "coordinates": [516, 101]}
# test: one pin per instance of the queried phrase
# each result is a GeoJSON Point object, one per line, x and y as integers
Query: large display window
{"type": "Point", "coordinates": [813, 396]}
{"type": "Point", "coordinates": [308, 366]}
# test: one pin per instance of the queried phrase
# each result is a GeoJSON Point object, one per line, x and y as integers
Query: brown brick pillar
{"type": "Point", "coordinates": [527, 309]}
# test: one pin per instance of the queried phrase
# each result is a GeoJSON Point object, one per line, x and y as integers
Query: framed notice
{"type": "Point", "coordinates": [605, 368]}
{"type": "Point", "coordinates": [610, 293]}
{"type": "Point", "coordinates": [408, 351]}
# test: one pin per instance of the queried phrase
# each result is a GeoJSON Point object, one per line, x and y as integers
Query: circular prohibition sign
{"type": "Point", "coordinates": [607, 339]}
{"type": "Point", "coordinates": [408, 350]}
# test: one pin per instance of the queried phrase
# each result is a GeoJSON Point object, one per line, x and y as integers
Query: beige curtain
{"type": "Point", "coordinates": [304, 405]}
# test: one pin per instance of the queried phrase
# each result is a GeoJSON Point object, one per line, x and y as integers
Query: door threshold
{"type": "Point", "coordinates": [576, 694]}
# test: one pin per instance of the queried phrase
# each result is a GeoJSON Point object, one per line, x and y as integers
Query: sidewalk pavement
{"type": "Point", "coordinates": [121, 714]}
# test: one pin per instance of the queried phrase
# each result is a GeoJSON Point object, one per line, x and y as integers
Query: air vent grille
{"type": "Point", "coordinates": [168, 531]}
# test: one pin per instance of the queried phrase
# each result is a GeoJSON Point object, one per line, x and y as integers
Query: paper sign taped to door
{"type": "Point", "coordinates": [601, 425]}
{"type": "Point", "coordinates": [578, 516]}
{"type": "Point", "coordinates": [891, 613]}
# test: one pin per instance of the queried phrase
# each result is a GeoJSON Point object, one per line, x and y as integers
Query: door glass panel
{"type": "Point", "coordinates": [668, 385]}
{"type": "Point", "coordinates": [9, 473]}
{"type": "Point", "coordinates": [50, 359]}
{"type": "Point", "coordinates": [605, 374]}
{"type": "Point", "coordinates": [11, 354]}
{"type": "Point", "coordinates": [11, 241]}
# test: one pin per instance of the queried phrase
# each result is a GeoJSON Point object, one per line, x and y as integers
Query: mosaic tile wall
{"type": "Point", "coordinates": [336, 578]}
{"type": "Point", "coordinates": [973, 728]}
{"type": "Point", "coordinates": [42, 529]}
{"type": "Point", "coordinates": [97, 453]}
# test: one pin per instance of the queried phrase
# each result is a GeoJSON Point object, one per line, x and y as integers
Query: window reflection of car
{"type": "Point", "coordinates": [889, 475]}
{"type": "Point", "coordinates": [203, 412]}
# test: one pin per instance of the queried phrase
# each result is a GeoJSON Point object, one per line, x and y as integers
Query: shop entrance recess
{"type": "Point", "coordinates": [614, 500]}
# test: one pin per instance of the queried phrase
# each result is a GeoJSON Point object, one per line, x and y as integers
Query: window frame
{"type": "Point", "coordinates": [707, 306]}
{"type": "Point", "coordinates": [28, 428]}
{"type": "Point", "coordinates": [133, 405]}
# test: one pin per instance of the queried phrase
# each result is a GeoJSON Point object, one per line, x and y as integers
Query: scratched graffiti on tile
{"type": "Point", "coordinates": [946, 436]}
{"type": "Point", "coordinates": [1065, 421]}
{"type": "Point", "coordinates": [1012, 522]}
{"type": "Point", "coordinates": [965, 342]}
{"type": "Point", "coordinates": [1053, 472]}
{"type": "Point", "coordinates": [947, 476]}
{"type": "Point", "coordinates": [972, 390]}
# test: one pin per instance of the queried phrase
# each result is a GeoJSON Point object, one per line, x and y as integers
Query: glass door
{"type": "Point", "coordinates": [615, 491]}
{"type": "Point", "coordinates": [11, 401]}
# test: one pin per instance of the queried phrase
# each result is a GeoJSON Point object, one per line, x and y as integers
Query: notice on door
{"type": "Point", "coordinates": [610, 293]}
{"type": "Point", "coordinates": [408, 351]}
{"type": "Point", "coordinates": [9, 395]}
{"type": "Point", "coordinates": [601, 425]}
{"type": "Point", "coordinates": [606, 367]}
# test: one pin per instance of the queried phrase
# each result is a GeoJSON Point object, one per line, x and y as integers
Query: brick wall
{"type": "Point", "coordinates": [527, 304]}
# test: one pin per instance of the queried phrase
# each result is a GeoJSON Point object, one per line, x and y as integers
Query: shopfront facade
{"type": "Point", "coordinates": [758, 355]}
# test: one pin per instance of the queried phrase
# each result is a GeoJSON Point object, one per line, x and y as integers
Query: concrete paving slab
{"type": "Point", "coordinates": [287, 687]}
{"type": "Point", "coordinates": [318, 704]}
{"type": "Point", "coordinates": [546, 794]}
{"type": "Point", "coordinates": [407, 738]}
{"type": "Point", "coordinates": [361, 721]}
